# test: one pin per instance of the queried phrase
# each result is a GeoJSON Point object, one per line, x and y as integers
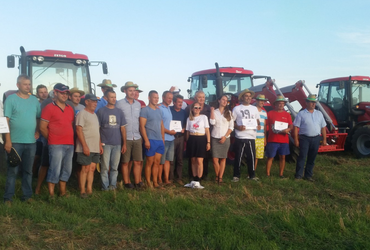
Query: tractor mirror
{"type": "Point", "coordinates": [341, 85]}
{"type": "Point", "coordinates": [204, 82]}
{"type": "Point", "coordinates": [11, 61]}
{"type": "Point", "coordinates": [105, 68]}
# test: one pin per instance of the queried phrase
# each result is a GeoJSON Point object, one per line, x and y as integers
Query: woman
{"type": "Point", "coordinates": [223, 125]}
{"type": "Point", "coordinates": [198, 140]}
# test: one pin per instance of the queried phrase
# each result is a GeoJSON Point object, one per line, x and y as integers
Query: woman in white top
{"type": "Point", "coordinates": [223, 125]}
{"type": "Point", "coordinates": [198, 139]}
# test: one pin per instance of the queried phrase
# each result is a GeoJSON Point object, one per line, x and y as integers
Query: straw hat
{"type": "Point", "coordinates": [128, 85]}
{"type": "Point", "coordinates": [244, 92]}
{"type": "Point", "coordinates": [261, 98]}
{"type": "Point", "coordinates": [76, 90]}
{"type": "Point", "coordinates": [107, 83]}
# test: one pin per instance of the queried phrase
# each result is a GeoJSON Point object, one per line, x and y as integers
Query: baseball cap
{"type": "Point", "coordinates": [60, 87]}
{"type": "Point", "coordinates": [91, 97]}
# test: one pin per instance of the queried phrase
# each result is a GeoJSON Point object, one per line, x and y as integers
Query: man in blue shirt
{"type": "Point", "coordinates": [152, 130]}
{"type": "Point", "coordinates": [311, 123]}
{"type": "Point", "coordinates": [169, 138]}
{"type": "Point", "coordinates": [105, 86]}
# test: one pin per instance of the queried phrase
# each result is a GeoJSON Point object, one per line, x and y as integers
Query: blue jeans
{"type": "Point", "coordinates": [111, 157]}
{"type": "Point", "coordinates": [27, 153]}
{"type": "Point", "coordinates": [308, 148]}
{"type": "Point", "coordinates": [60, 158]}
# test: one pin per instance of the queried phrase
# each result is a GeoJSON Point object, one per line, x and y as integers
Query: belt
{"type": "Point", "coordinates": [178, 135]}
{"type": "Point", "coordinates": [310, 136]}
{"type": "Point", "coordinates": [196, 133]}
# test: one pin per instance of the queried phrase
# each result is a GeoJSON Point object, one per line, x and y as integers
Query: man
{"type": "Point", "coordinates": [261, 134]}
{"type": "Point", "coordinates": [22, 112]}
{"type": "Point", "coordinates": [137, 93]}
{"type": "Point", "coordinates": [176, 91]}
{"type": "Point", "coordinates": [57, 127]}
{"type": "Point", "coordinates": [152, 130]}
{"type": "Point", "coordinates": [280, 124]}
{"type": "Point", "coordinates": [105, 86]}
{"type": "Point", "coordinates": [75, 97]}
{"type": "Point", "coordinates": [88, 146]}
{"type": "Point", "coordinates": [41, 92]}
{"type": "Point", "coordinates": [310, 123]}
{"type": "Point", "coordinates": [169, 138]}
{"type": "Point", "coordinates": [113, 137]}
{"type": "Point", "coordinates": [178, 114]}
{"type": "Point", "coordinates": [246, 119]}
{"type": "Point", "coordinates": [131, 110]}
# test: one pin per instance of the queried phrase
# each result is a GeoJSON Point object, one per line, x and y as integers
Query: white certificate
{"type": "Point", "coordinates": [4, 128]}
{"type": "Point", "coordinates": [280, 125]}
{"type": "Point", "coordinates": [175, 125]}
{"type": "Point", "coordinates": [249, 123]}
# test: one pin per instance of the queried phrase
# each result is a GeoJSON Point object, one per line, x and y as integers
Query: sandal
{"type": "Point", "coordinates": [216, 180]}
{"type": "Point", "coordinates": [220, 181]}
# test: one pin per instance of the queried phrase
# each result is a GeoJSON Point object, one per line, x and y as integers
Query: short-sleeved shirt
{"type": "Point", "coordinates": [245, 112]}
{"type": "Point", "coordinates": [111, 121]}
{"type": "Point", "coordinates": [60, 124]}
{"type": "Point", "coordinates": [132, 115]}
{"type": "Point", "coordinates": [90, 128]}
{"type": "Point", "coordinates": [273, 116]}
{"type": "Point", "coordinates": [153, 122]}
{"type": "Point", "coordinates": [22, 114]}
{"type": "Point", "coordinates": [309, 124]}
{"type": "Point", "coordinates": [167, 118]}
{"type": "Point", "coordinates": [263, 117]}
{"type": "Point", "coordinates": [198, 124]}
{"type": "Point", "coordinates": [179, 116]}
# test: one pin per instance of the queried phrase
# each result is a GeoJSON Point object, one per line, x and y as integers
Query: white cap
{"type": "Point", "coordinates": [176, 89]}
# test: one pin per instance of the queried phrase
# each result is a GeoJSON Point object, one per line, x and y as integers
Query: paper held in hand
{"type": "Point", "coordinates": [4, 128]}
{"type": "Point", "coordinates": [249, 123]}
{"type": "Point", "coordinates": [280, 125]}
{"type": "Point", "coordinates": [175, 125]}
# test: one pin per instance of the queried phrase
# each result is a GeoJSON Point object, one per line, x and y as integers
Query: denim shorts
{"type": "Point", "coordinates": [273, 148]}
{"type": "Point", "coordinates": [169, 150]}
{"type": "Point", "coordinates": [60, 168]}
{"type": "Point", "coordinates": [156, 146]}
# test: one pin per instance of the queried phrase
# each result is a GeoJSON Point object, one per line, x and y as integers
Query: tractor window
{"type": "Point", "coordinates": [49, 73]}
{"type": "Point", "coordinates": [360, 92]}
{"type": "Point", "coordinates": [337, 100]}
{"type": "Point", "coordinates": [323, 92]}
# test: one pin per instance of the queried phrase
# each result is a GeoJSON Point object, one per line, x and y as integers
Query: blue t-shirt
{"type": "Point", "coordinates": [167, 118]}
{"type": "Point", "coordinates": [110, 122]}
{"type": "Point", "coordinates": [22, 114]}
{"type": "Point", "coordinates": [153, 122]}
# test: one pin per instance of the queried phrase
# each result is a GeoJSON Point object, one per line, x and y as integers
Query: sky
{"type": "Point", "coordinates": [159, 44]}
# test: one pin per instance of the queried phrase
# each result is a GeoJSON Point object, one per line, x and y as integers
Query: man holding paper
{"type": "Point", "coordinates": [280, 124]}
{"type": "Point", "coordinates": [169, 138]}
{"type": "Point", "coordinates": [246, 118]}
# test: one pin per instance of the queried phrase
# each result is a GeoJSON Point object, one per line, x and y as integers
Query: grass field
{"type": "Point", "coordinates": [331, 213]}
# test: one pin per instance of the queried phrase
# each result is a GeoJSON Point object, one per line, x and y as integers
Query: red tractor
{"type": "Point", "coordinates": [48, 67]}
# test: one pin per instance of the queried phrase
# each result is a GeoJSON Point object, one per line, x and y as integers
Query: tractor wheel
{"type": "Point", "coordinates": [361, 142]}
{"type": "Point", "coordinates": [294, 152]}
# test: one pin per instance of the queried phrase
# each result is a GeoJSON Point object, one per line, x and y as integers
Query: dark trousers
{"type": "Point", "coordinates": [308, 148]}
{"type": "Point", "coordinates": [176, 164]}
{"type": "Point", "coordinates": [244, 148]}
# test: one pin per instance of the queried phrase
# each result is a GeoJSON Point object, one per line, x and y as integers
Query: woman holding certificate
{"type": "Point", "coordinates": [223, 125]}
{"type": "Point", "coordinates": [198, 141]}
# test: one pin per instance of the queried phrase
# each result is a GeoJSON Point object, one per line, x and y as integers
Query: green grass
{"type": "Point", "coordinates": [331, 213]}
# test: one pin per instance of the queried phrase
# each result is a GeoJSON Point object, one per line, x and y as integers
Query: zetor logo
{"type": "Point", "coordinates": [238, 71]}
{"type": "Point", "coordinates": [59, 55]}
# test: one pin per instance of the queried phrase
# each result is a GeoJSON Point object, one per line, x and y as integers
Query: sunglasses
{"type": "Point", "coordinates": [197, 107]}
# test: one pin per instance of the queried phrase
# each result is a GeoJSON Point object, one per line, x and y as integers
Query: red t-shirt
{"type": "Point", "coordinates": [273, 116]}
{"type": "Point", "coordinates": [60, 124]}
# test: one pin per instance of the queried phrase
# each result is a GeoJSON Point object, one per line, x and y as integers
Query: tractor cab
{"type": "Point", "coordinates": [346, 99]}
{"type": "Point", "coordinates": [218, 81]}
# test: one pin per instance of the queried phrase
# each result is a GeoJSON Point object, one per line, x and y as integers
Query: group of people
{"type": "Point", "coordinates": [122, 133]}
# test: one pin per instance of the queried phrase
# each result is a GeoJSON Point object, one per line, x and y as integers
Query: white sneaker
{"type": "Point", "coordinates": [235, 179]}
{"type": "Point", "coordinates": [255, 179]}
{"type": "Point", "coordinates": [196, 184]}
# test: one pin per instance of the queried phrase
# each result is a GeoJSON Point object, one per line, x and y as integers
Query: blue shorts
{"type": "Point", "coordinates": [280, 148]}
{"type": "Point", "coordinates": [156, 146]}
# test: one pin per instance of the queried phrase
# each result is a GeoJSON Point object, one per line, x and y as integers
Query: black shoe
{"type": "Point", "coordinates": [297, 178]}
{"type": "Point", "coordinates": [129, 186]}
{"type": "Point", "coordinates": [309, 179]}
{"type": "Point", "coordinates": [282, 177]}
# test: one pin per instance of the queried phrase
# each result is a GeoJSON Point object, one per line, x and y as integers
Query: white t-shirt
{"type": "Point", "coordinates": [245, 112]}
{"type": "Point", "coordinates": [197, 125]}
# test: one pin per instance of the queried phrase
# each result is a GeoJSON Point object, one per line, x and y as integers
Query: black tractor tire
{"type": "Point", "coordinates": [361, 142]}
